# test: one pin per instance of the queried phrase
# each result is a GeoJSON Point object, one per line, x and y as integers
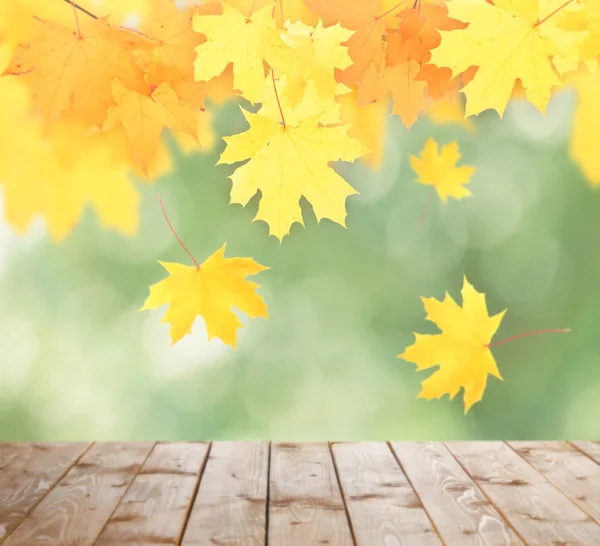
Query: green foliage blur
{"type": "Point", "coordinates": [78, 361]}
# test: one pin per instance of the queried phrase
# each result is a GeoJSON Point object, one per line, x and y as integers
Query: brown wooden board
{"type": "Point", "coordinates": [154, 510]}
{"type": "Point", "coordinates": [575, 474]}
{"type": "Point", "coordinates": [75, 511]}
{"type": "Point", "coordinates": [231, 503]}
{"type": "Point", "coordinates": [306, 505]}
{"type": "Point", "coordinates": [383, 507]}
{"type": "Point", "coordinates": [535, 508]}
{"type": "Point", "coordinates": [27, 473]}
{"type": "Point", "coordinates": [460, 511]}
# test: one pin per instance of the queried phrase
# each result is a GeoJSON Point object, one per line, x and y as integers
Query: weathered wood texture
{"type": "Point", "coordinates": [383, 507]}
{"type": "Point", "coordinates": [231, 504]}
{"type": "Point", "coordinates": [75, 511]}
{"type": "Point", "coordinates": [575, 474]}
{"type": "Point", "coordinates": [591, 449]}
{"type": "Point", "coordinates": [538, 511]}
{"type": "Point", "coordinates": [287, 494]}
{"type": "Point", "coordinates": [27, 473]}
{"type": "Point", "coordinates": [155, 507]}
{"type": "Point", "coordinates": [459, 509]}
{"type": "Point", "coordinates": [306, 505]}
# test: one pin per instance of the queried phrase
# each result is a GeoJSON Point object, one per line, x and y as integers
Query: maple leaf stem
{"type": "Point", "coordinates": [277, 97]}
{"type": "Point", "coordinates": [553, 13]}
{"type": "Point", "coordinates": [77, 6]}
{"type": "Point", "coordinates": [550, 331]}
{"type": "Point", "coordinates": [251, 9]}
{"type": "Point", "coordinates": [77, 21]}
{"type": "Point", "coordinates": [427, 207]}
{"type": "Point", "coordinates": [174, 233]}
{"type": "Point", "coordinates": [281, 11]}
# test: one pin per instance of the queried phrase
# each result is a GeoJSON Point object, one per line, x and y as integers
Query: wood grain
{"type": "Point", "coordinates": [155, 507]}
{"type": "Point", "coordinates": [461, 513]}
{"type": "Point", "coordinates": [75, 511]}
{"type": "Point", "coordinates": [230, 507]}
{"type": "Point", "coordinates": [591, 449]}
{"type": "Point", "coordinates": [382, 505]}
{"type": "Point", "coordinates": [539, 513]}
{"type": "Point", "coordinates": [306, 505]}
{"type": "Point", "coordinates": [575, 474]}
{"type": "Point", "coordinates": [27, 473]}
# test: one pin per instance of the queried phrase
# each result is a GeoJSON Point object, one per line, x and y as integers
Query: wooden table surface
{"type": "Point", "coordinates": [279, 494]}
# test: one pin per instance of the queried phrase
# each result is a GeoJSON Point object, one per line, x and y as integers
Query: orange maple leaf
{"type": "Point", "coordinates": [401, 81]}
{"type": "Point", "coordinates": [371, 19]}
{"type": "Point", "coordinates": [171, 55]}
{"type": "Point", "coordinates": [72, 70]}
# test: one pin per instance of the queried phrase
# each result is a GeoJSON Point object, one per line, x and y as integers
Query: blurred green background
{"type": "Point", "coordinates": [77, 361]}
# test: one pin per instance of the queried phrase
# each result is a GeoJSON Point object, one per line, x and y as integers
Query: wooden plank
{"type": "Point", "coordinates": [383, 507]}
{"type": "Point", "coordinates": [27, 473]}
{"type": "Point", "coordinates": [591, 449]}
{"type": "Point", "coordinates": [75, 511]}
{"type": "Point", "coordinates": [156, 505]}
{"type": "Point", "coordinates": [306, 505]}
{"type": "Point", "coordinates": [230, 507]}
{"type": "Point", "coordinates": [534, 507]}
{"type": "Point", "coordinates": [461, 513]}
{"type": "Point", "coordinates": [574, 473]}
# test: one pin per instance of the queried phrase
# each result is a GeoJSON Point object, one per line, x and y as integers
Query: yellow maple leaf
{"type": "Point", "coordinates": [275, 96]}
{"type": "Point", "coordinates": [368, 124]}
{"type": "Point", "coordinates": [312, 55]}
{"type": "Point", "coordinates": [144, 117]}
{"type": "Point", "coordinates": [443, 112]}
{"type": "Point", "coordinates": [72, 70]}
{"type": "Point", "coordinates": [288, 162]}
{"type": "Point", "coordinates": [171, 54]}
{"type": "Point", "coordinates": [440, 171]}
{"type": "Point", "coordinates": [283, 10]}
{"type": "Point", "coordinates": [505, 41]}
{"type": "Point", "coordinates": [209, 290]}
{"type": "Point", "coordinates": [65, 169]}
{"type": "Point", "coordinates": [586, 124]}
{"type": "Point", "coordinates": [231, 37]}
{"type": "Point", "coordinates": [461, 349]}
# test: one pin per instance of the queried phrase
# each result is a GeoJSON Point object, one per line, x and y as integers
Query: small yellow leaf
{"type": "Point", "coordinates": [211, 291]}
{"type": "Point", "coordinates": [440, 170]}
{"type": "Point", "coordinates": [460, 350]}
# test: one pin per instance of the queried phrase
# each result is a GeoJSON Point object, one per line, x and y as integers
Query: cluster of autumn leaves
{"type": "Point", "coordinates": [91, 92]}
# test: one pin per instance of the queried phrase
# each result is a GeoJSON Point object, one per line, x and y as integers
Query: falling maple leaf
{"type": "Point", "coordinates": [289, 162]}
{"type": "Point", "coordinates": [224, 34]}
{"type": "Point", "coordinates": [71, 71]}
{"type": "Point", "coordinates": [461, 351]}
{"type": "Point", "coordinates": [508, 42]}
{"type": "Point", "coordinates": [440, 171]}
{"type": "Point", "coordinates": [211, 290]}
